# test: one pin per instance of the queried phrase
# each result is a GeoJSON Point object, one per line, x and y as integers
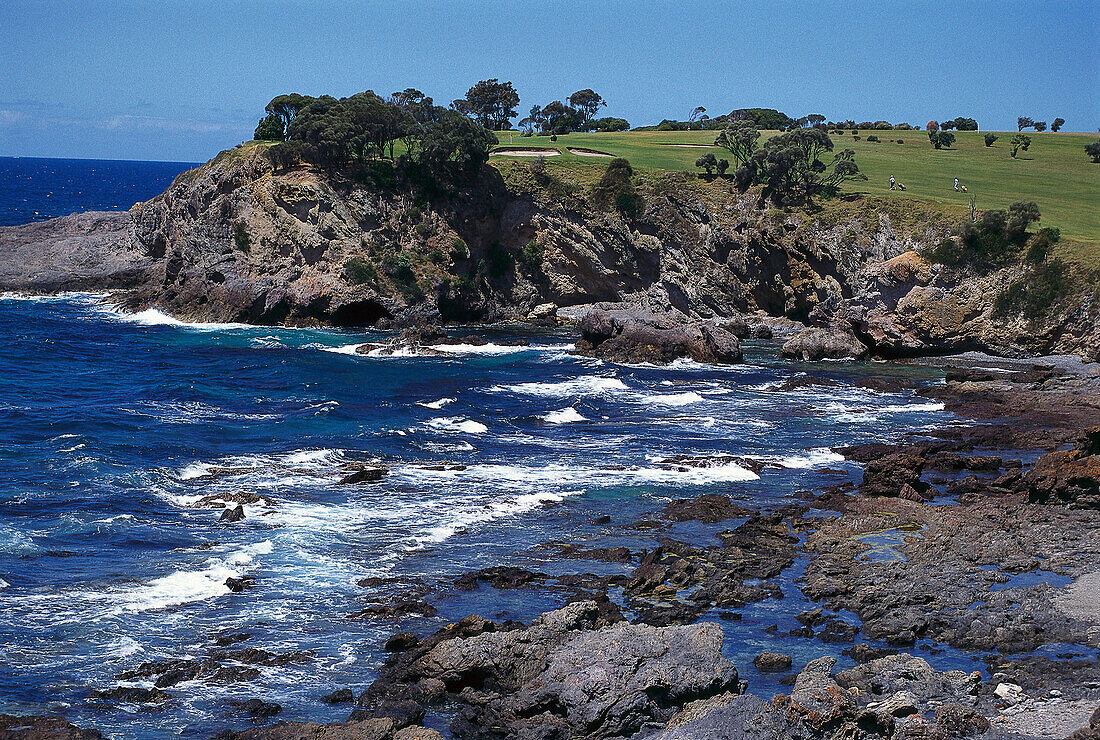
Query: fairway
{"type": "Point", "coordinates": [1054, 172]}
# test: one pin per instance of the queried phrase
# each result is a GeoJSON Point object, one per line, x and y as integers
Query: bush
{"type": "Point", "coordinates": [1040, 246]}
{"type": "Point", "coordinates": [358, 271]}
{"type": "Point", "coordinates": [989, 139]}
{"type": "Point", "coordinates": [872, 137]}
{"type": "Point", "coordinates": [901, 141]}
{"type": "Point", "coordinates": [1034, 296]}
{"type": "Point", "coordinates": [531, 255]}
{"type": "Point", "coordinates": [941, 139]}
{"type": "Point", "coordinates": [616, 189]}
{"type": "Point", "coordinates": [991, 241]}
{"type": "Point", "coordinates": [856, 138]}
{"type": "Point", "coordinates": [240, 236]}
{"type": "Point", "coordinates": [459, 250]}
{"type": "Point", "coordinates": [1020, 141]}
{"type": "Point", "coordinates": [1093, 150]}
{"type": "Point", "coordinates": [708, 162]}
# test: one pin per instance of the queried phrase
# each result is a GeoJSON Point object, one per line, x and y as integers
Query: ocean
{"type": "Point", "coordinates": [117, 432]}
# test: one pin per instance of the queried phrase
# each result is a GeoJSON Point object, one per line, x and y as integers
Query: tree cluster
{"type": "Point", "coordinates": [789, 165]}
{"type": "Point", "coordinates": [1025, 122]}
{"type": "Point", "coordinates": [994, 239]}
{"type": "Point", "coordinates": [491, 103]}
{"type": "Point", "coordinates": [577, 114]}
{"type": "Point", "coordinates": [348, 135]}
{"type": "Point", "coordinates": [960, 124]}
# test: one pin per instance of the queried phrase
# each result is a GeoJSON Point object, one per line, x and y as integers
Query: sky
{"type": "Point", "coordinates": [179, 81]}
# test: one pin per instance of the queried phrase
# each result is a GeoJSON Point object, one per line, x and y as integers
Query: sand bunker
{"type": "Point", "coordinates": [582, 152]}
{"type": "Point", "coordinates": [526, 152]}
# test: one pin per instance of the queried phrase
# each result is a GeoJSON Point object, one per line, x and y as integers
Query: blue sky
{"type": "Point", "coordinates": [177, 80]}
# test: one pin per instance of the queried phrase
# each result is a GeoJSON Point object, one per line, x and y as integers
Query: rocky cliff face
{"type": "Point", "coordinates": [234, 240]}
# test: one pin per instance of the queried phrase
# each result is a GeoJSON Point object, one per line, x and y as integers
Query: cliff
{"type": "Point", "coordinates": [234, 240]}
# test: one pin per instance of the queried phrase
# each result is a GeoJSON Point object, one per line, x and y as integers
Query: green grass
{"type": "Point", "coordinates": [1054, 172]}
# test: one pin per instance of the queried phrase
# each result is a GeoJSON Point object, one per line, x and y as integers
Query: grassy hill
{"type": "Point", "coordinates": [1054, 172]}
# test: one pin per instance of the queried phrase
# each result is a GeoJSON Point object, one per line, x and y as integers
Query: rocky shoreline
{"type": "Point", "coordinates": [981, 537]}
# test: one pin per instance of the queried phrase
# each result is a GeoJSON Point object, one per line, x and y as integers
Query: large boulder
{"type": "Point", "coordinates": [639, 336]}
{"type": "Point", "coordinates": [818, 343]}
{"type": "Point", "coordinates": [1070, 477]}
{"type": "Point", "coordinates": [564, 671]}
{"type": "Point", "coordinates": [42, 728]}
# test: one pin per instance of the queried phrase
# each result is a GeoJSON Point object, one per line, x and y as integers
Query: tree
{"type": "Point", "coordinates": [1040, 125]}
{"type": "Point", "coordinates": [610, 124]}
{"type": "Point", "coordinates": [287, 107]}
{"type": "Point", "coordinates": [696, 113]}
{"type": "Point", "coordinates": [587, 103]}
{"type": "Point", "coordinates": [740, 139]}
{"type": "Point", "coordinates": [491, 102]}
{"type": "Point", "coordinates": [815, 119]}
{"type": "Point", "coordinates": [560, 118]}
{"type": "Point", "coordinates": [1020, 141]}
{"type": "Point", "coordinates": [270, 128]}
{"type": "Point", "coordinates": [1058, 123]}
{"type": "Point", "coordinates": [616, 189]}
{"type": "Point", "coordinates": [1093, 150]}
{"type": "Point", "coordinates": [932, 126]}
{"type": "Point", "coordinates": [965, 124]}
{"type": "Point", "coordinates": [1024, 122]}
{"type": "Point", "coordinates": [989, 139]}
{"type": "Point", "coordinates": [765, 118]}
{"type": "Point", "coordinates": [941, 139]}
{"type": "Point", "coordinates": [708, 162]}
{"type": "Point", "coordinates": [723, 165]}
{"type": "Point", "coordinates": [947, 125]}
{"type": "Point", "coordinates": [790, 167]}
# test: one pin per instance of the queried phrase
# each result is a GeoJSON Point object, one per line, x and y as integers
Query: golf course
{"type": "Point", "coordinates": [1054, 171]}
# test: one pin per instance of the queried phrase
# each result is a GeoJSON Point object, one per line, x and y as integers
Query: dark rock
{"type": "Point", "coordinates": [605, 519]}
{"type": "Point", "coordinates": [233, 515]}
{"type": "Point", "coordinates": [42, 728]}
{"type": "Point", "coordinates": [1069, 477]}
{"type": "Point", "coordinates": [340, 696]}
{"type": "Point", "coordinates": [401, 642]}
{"type": "Point", "coordinates": [502, 577]}
{"type": "Point", "coordinates": [397, 609]}
{"type": "Point", "coordinates": [231, 638]}
{"type": "Point", "coordinates": [772, 662]}
{"type": "Point", "coordinates": [709, 508]}
{"type": "Point", "coordinates": [885, 476]}
{"type": "Point", "coordinates": [863, 653]}
{"type": "Point", "coordinates": [805, 381]}
{"type": "Point", "coordinates": [237, 585]}
{"type": "Point", "coordinates": [257, 708]}
{"type": "Point", "coordinates": [132, 695]}
{"type": "Point", "coordinates": [960, 720]}
{"type": "Point", "coordinates": [364, 475]}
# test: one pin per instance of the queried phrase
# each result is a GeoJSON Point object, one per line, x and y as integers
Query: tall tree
{"type": "Point", "coordinates": [587, 103]}
{"type": "Point", "coordinates": [696, 114]}
{"type": "Point", "coordinates": [1058, 123]}
{"type": "Point", "coordinates": [740, 139]}
{"type": "Point", "coordinates": [492, 102]}
{"type": "Point", "coordinates": [287, 107]}
{"type": "Point", "coordinates": [1024, 122]}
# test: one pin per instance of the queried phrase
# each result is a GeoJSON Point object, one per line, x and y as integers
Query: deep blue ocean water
{"type": "Point", "coordinates": [114, 427]}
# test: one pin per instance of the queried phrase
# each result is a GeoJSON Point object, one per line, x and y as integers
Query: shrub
{"type": "Point", "coordinates": [531, 255]}
{"type": "Point", "coordinates": [901, 141]}
{"type": "Point", "coordinates": [240, 237]}
{"type": "Point", "coordinates": [459, 250]}
{"type": "Point", "coordinates": [358, 271]}
{"type": "Point", "coordinates": [553, 137]}
{"type": "Point", "coordinates": [1093, 150]}
{"type": "Point", "coordinates": [616, 189]}
{"type": "Point", "coordinates": [1035, 295]}
{"type": "Point", "coordinates": [989, 139]}
{"type": "Point", "coordinates": [723, 165]}
{"type": "Point", "coordinates": [856, 138]}
{"type": "Point", "coordinates": [994, 239]}
{"type": "Point", "coordinates": [872, 137]}
{"type": "Point", "coordinates": [1040, 246]}
{"type": "Point", "coordinates": [839, 131]}
{"type": "Point", "coordinates": [1020, 141]}
{"type": "Point", "coordinates": [437, 256]}
{"type": "Point", "coordinates": [941, 139]}
{"type": "Point", "coordinates": [708, 162]}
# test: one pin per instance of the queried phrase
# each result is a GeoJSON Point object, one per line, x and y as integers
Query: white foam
{"type": "Point", "coordinates": [153, 317]}
{"type": "Point", "coordinates": [469, 517]}
{"type": "Point", "coordinates": [310, 457]}
{"type": "Point", "coordinates": [346, 349]}
{"type": "Point", "coordinates": [185, 587]}
{"type": "Point", "coordinates": [436, 404]}
{"type": "Point", "coordinates": [458, 424]}
{"type": "Point", "coordinates": [3, 583]}
{"type": "Point", "coordinates": [592, 385]}
{"type": "Point", "coordinates": [810, 459]}
{"type": "Point", "coordinates": [672, 399]}
{"type": "Point", "coordinates": [66, 297]}
{"type": "Point", "coordinates": [124, 647]}
{"type": "Point", "coordinates": [194, 470]}
{"type": "Point", "coordinates": [563, 416]}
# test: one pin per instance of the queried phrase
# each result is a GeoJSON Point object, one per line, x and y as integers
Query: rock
{"type": "Point", "coordinates": [371, 729]}
{"type": "Point", "coordinates": [401, 642]}
{"type": "Point", "coordinates": [237, 585]}
{"type": "Point", "coordinates": [395, 609]}
{"type": "Point", "coordinates": [816, 343]}
{"type": "Point", "coordinates": [709, 508]}
{"type": "Point", "coordinates": [886, 476]}
{"type": "Point", "coordinates": [960, 720]}
{"type": "Point", "coordinates": [1070, 477]}
{"type": "Point", "coordinates": [502, 577]}
{"type": "Point", "coordinates": [565, 671]}
{"type": "Point", "coordinates": [257, 708]}
{"type": "Point", "coordinates": [1010, 693]}
{"type": "Point", "coordinates": [543, 313]}
{"type": "Point", "coordinates": [638, 336]}
{"type": "Point", "coordinates": [133, 695]}
{"type": "Point", "coordinates": [863, 652]}
{"type": "Point", "coordinates": [340, 696]}
{"type": "Point", "coordinates": [42, 728]}
{"type": "Point", "coordinates": [230, 638]}
{"type": "Point", "coordinates": [367, 474]}
{"type": "Point", "coordinates": [232, 515]}
{"type": "Point", "coordinates": [772, 662]}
